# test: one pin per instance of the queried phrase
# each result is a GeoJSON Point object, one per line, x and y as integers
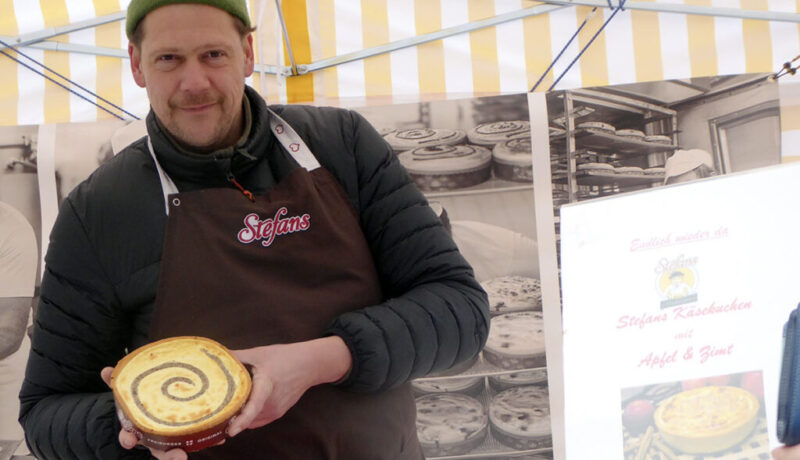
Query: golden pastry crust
{"type": "Point", "coordinates": [707, 419]}
{"type": "Point", "coordinates": [180, 386]}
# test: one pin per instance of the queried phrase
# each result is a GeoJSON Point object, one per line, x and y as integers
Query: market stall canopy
{"type": "Point", "coordinates": [343, 52]}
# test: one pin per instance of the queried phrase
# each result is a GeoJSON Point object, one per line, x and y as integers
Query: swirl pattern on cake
{"type": "Point", "coordinates": [498, 131]}
{"type": "Point", "coordinates": [407, 139]}
{"type": "Point", "coordinates": [177, 387]}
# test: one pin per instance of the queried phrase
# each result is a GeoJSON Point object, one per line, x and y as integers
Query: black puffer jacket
{"type": "Point", "coordinates": [104, 256]}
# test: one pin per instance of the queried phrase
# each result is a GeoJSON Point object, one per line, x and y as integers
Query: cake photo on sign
{"type": "Point", "coordinates": [632, 133]}
{"type": "Point", "coordinates": [450, 424]}
{"type": "Point", "coordinates": [659, 139]}
{"type": "Point", "coordinates": [597, 126]}
{"type": "Point", "coordinates": [711, 417]}
{"type": "Point", "coordinates": [516, 341]}
{"type": "Point", "coordinates": [520, 417]}
{"type": "Point", "coordinates": [513, 293]}
{"type": "Point", "coordinates": [629, 170]}
{"type": "Point", "coordinates": [502, 382]}
{"type": "Point", "coordinates": [492, 133]}
{"type": "Point", "coordinates": [707, 419]}
{"type": "Point", "coordinates": [447, 167]}
{"type": "Point", "coordinates": [513, 160]}
{"type": "Point", "coordinates": [470, 385]}
{"type": "Point", "coordinates": [408, 139]}
{"type": "Point", "coordinates": [591, 167]}
{"type": "Point", "coordinates": [180, 392]}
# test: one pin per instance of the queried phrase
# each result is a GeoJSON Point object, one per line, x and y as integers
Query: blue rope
{"type": "Point", "coordinates": [563, 50]}
{"type": "Point", "coordinates": [616, 10]}
{"type": "Point", "coordinates": [64, 78]}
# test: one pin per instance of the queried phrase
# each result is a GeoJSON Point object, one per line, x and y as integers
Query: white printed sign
{"type": "Point", "coordinates": [674, 302]}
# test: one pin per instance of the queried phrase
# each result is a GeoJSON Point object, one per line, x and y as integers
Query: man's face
{"type": "Point", "coordinates": [193, 63]}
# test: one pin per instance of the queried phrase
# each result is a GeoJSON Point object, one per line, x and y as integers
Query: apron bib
{"type": "Point", "coordinates": [274, 270]}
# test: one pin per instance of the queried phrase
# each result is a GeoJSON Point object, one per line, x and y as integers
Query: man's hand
{"type": "Point", "coordinates": [129, 440]}
{"type": "Point", "coordinates": [282, 373]}
{"type": "Point", "coordinates": [787, 453]}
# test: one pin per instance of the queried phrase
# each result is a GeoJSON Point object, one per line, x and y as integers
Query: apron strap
{"type": "Point", "coordinates": [167, 186]}
{"type": "Point", "coordinates": [292, 142]}
{"type": "Point", "coordinates": [285, 134]}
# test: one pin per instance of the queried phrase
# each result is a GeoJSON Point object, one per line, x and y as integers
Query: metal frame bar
{"type": "Point", "coordinates": [688, 9]}
{"type": "Point", "coordinates": [426, 38]}
{"type": "Point", "coordinates": [118, 53]}
{"type": "Point", "coordinates": [44, 34]}
{"type": "Point", "coordinates": [286, 37]}
{"type": "Point", "coordinates": [68, 47]}
{"type": "Point", "coordinates": [38, 39]}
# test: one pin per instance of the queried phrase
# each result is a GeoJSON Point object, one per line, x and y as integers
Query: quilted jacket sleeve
{"type": "Point", "coordinates": [67, 411]}
{"type": "Point", "coordinates": [436, 314]}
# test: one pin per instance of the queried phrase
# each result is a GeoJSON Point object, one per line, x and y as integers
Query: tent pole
{"type": "Point", "coordinates": [286, 37]}
{"type": "Point", "coordinates": [425, 38]}
{"type": "Point", "coordinates": [44, 34]}
{"type": "Point", "coordinates": [551, 5]}
{"type": "Point", "coordinates": [688, 9]}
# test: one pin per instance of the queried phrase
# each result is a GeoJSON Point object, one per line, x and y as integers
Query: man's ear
{"type": "Point", "coordinates": [136, 65]}
{"type": "Point", "coordinates": [249, 56]}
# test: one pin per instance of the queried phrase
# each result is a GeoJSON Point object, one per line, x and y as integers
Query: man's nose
{"type": "Point", "coordinates": [194, 77]}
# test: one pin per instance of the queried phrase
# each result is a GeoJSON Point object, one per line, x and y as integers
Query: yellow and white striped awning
{"type": "Point", "coordinates": [645, 41]}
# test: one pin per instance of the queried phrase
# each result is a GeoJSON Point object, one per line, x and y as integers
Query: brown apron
{"type": "Point", "coordinates": [278, 270]}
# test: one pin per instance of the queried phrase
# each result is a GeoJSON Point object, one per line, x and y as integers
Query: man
{"type": "Point", "coordinates": [19, 259]}
{"type": "Point", "coordinates": [688, 165]}
{"type": "Point", "coordinates": [333, 318]}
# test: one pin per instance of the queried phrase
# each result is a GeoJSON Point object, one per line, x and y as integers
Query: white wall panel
{"type": "Point", "coordinates": [31, 91]}
{"type": "Point", "coordinates": [785, 39]}
{"type": "Point", "coordinates": [405, 74]}
{"type": "Point", "coordinates": [674, 44]}
{"type": "Point", "coordinates": [563, 24]}
{"type": "Point", "coordinates": [511, 50]}
{"type": "Point", "coordinates": [619, 48]}
{"type": "Point", "coordinates": [457, 55]}
{"type": "Point", "coordinates": [349, 38]}
{"type": "Point", "coordinates": [730, 45]}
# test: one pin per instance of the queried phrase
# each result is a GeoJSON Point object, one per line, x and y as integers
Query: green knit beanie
{"type": "Point", "coordinates": [138, 9]}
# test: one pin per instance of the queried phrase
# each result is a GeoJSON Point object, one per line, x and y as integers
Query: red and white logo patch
{"type": "Point", "coordinates": [268, 229]}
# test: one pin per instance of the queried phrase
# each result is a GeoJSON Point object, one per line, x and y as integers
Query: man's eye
{"type": "Point", "coordinates": [215, 54]}
{"type": "Point", "coordinates": [166, 58]}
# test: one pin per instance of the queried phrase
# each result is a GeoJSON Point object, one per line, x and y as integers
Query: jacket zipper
{"type": "Point", "coordinates": [244, 191]}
